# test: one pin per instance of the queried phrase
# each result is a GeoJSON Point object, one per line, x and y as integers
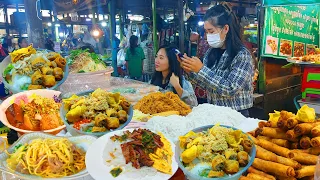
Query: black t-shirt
{"type": "Point", "coordinates": [215, 56]}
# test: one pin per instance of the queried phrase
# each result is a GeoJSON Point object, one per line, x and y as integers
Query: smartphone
{"type": "Point", "coordinates": [178, 53]}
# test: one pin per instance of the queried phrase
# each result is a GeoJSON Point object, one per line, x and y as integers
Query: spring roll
{"type": "Point", "coordinates": [282, 124]}
{"type": "Point", "coordinates": [286, 178]}
{"type": "Point", "coordinates": [315, 142]}
{"type": "Point", "coordinates": [255, 140]}
{"type": "Point", "coordinates": [245, 178]}
{"type": "Point", "coordinates": [257, 176]}
{"type": "Point", "coordinates": [275, 133]}
{"type": "Point", "coordinates": [305, 142]}
{"type": "Point", "coordinates": [264, 137]}
{"type": "Point", "coordinates": [256, 171]}
{"type": "Point", "coordinates": [247, 145]}
{"type": "Point", "coordinates": [292, 122]}
{"type": "Point", "coordinates": [315, 131]}
{"type": "Point", "coordinates": [304, 158]}
{"type": "Point", "coordinates": [312, 150]}
{"type": "Point", "coordinates": [281, 151]}
{"type": "Point", "coordinates": [274, 168]}
{"type": "Point", "coordinates": [272, 124]}
{"type": "Point", "coordinates": [262, 124]}
{"type": "Point", "coordinates": [295, 145]}
{"type": "Point", "coordinates": [269, 156]}
{"type": "Point", "coordinates": [281, 142]}
{"type": "Point", "coordinates": [305, 128]}
{"type": "Point", "coordinates": [292, 136]}
{"type": "Point", "coordinates": [305, 171]}
{"type": "Point", "coordinates": [308, 178]}
{"type": "Point", "coordinates": [243, 158]}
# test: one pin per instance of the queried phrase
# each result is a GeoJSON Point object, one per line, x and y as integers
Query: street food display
{"type": "Point", "coordinates": [215, 152]}
{"type": "Point", "coordinates": [31, 69]}
{"type": "Point", "coordinates": [100, 111]}
{"type": "Point", "coordinates": [287, 145]}
{"type": "Point", "coordinates": [82, 61]}
{"type": "Point", "coordinates": [298, 49]}
{"type": "Point", "coordinates": [162, 102]}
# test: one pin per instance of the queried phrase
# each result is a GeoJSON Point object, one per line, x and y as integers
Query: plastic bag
{"type": "Point", "coordinates": [121, 58]}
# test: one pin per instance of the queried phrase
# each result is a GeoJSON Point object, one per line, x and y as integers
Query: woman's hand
{"type": "Point", "coordinates": [191, 64]}
{"type": "Point", "coordinates": [174, 80]}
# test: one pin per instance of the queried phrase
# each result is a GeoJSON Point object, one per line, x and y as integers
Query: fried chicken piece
{"type": "Point", "coordinates": [50, 121]}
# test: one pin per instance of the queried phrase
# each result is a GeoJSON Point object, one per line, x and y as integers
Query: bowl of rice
{"type": "Point", "coordinates": [208, 146]}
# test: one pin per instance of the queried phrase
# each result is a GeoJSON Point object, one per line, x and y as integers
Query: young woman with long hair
{"type": "Point", "coordinates": [227, 70]}
{"type": "Point", "coordinates": [169, 76]}
{"type": "Point", "coordinates": [134, 59]}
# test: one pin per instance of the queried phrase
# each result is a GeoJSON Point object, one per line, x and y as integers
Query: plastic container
{"type": "Point", "coordinates": [7, 61]}
{"type": "Point", "coordinates": [76, 132]}
{"type": "Point", "coordinates": [192, 176]}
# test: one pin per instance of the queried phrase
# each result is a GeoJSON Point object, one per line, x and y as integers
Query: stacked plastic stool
{"type": "Point", "coordinates": [310, 86]}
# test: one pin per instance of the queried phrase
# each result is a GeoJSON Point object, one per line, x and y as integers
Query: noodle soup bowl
{"type": "Point", "coordinates": [82, 142]}
{"type": "Point", "coordinates": [23, 95]}
{"type": "Point", "coordinates": [195, 176]}
{"type": "Point", "coordinates": [75, 132]}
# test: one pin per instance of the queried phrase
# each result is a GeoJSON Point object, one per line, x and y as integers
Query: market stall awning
{"type": "Point", "coordinates": [289, 2]}
{"type": "Point", "coordinates": [66, 6]}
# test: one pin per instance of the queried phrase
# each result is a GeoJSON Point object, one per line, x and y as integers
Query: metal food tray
{"type": "Point", "coordinates": [302, 62]}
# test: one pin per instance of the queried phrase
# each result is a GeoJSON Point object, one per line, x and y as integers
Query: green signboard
{"type": "Point", "coordinates": [290, 31]}
{"type": "Point", "coordinates": [288, 2]}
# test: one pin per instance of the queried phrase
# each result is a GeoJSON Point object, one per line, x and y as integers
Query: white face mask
{"type": "Point", "coordinates": [214, 40]}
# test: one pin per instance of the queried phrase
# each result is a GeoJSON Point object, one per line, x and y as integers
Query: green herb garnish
{"type": "Point", "coordinates": [25, 87]}
{"type": "Point", "coordinates": [81, 71]}
{"type": "Point", "coordinates": [205, 173]}
{"type": "Point", "coordinates": [115, 172]}
{"type": "Point", "coordinates": [8, 69]}
{"type": "Point", "coordinates": [17, 147]}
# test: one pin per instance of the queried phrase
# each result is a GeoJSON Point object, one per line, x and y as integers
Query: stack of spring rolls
{"type": "Point", "coordinates": [287, 148]}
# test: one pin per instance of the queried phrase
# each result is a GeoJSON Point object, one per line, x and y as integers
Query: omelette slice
{"type": "Point", "coordinates": [162, 158]}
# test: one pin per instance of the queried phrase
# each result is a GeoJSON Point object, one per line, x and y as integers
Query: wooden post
{"type": "Point", "coordinates": [181, 26]}
{"type": "Point", "coordinates": [34, 24]}
{"type": "Point", "coordinates": [155, 35]}
{"type": "Point", "coordinates": [5, 9]}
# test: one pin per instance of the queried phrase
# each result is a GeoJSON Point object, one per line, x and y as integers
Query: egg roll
{"type": "Point", "coordinates": [34, 87]}
{"type": "Point", "coordinates": [245, 178]}
{"type": "Point", "coordinates": [272, 124]}
{"type": "Point", "coordinates": [37, 78]}
{"type": "Point", "coordinates": [49, 81]}
{"type": "Point", "coordinates": [282, 124]}
{"type": "Point", "coordinates": [295, 145]}
{"type": "Point", "coordinates": [123, 116]}
{"type": "Point", "coordinates": [243, 158]}
{"type": "Point", "coordinates": [275, 133]}
{"type": "Point", "coordinates": [305, 128]}
{"type": "Point", "coordinates": [262, 124]}
{"type": "Point", "coordinates": [308, 178]}
{"type": "Point", "coordinates": [286, 178]}
{"type": "Point", "coordinates": [261, 173]}
{"type": "Point", "coordinates": [270, 156]}
{"type": "Point", "coordinates": [281, 151]}
{"type": "Point", "coordinates": [257, 176]}
{"type": "Point", "coordinates": [47, 70]}
{"type": "Point", "coordinates": [230, 154]}
{"type": "Point", "coordinates": [218, 163]}
{"type": "Point", "coordinates": [264, 137]}
{"type": "Point", "coordinates": [305, 142]}
{"type": "Point", "coordinates": [38, 62]}
{"type": "Point", "coordinates": [274, 168]}
{"type": "Point", "coordinates": [58, 73]}
{"type": "Point", "coordinates": [100, 120]}
{"type": "Point", "coordinates": [292, 122]}
{"type": "Point", "coordinates": [61, 62]}
{"type": "Point", "coordinates": [247, 145]}
{"type": "Point", "coordinates": [315, 142]}
{"type": "Point", "coordinates": [113, 123]}
{"type": "Point", "coordinates": [231, 166]}
{"type": "Point", "coordinates": [255, 140]}
{"type": "Point", "coordinates": [306, 171]}
{"type": "Point", "coordinates": [315, 132]}
{"type": "Point", "coordinates": [292, 136]}
{"type": "Point", "coordinates": [304, 158]}
{"type": "Point", "coordinates": [312, 150]}
{"type": "Point", "coordinates": [215, 174]}
{"type": "Point", "coordinates": [281, 142]}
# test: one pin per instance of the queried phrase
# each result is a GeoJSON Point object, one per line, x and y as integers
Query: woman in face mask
{"type": "Point", "coordinates": [227, 70]}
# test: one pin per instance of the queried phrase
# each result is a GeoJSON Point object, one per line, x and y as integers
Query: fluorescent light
{"type": "Point", "coordinates": [68, 25]}
{"type": "Point", "coordinates": [88, 19]}
{"type": "Point", "coordinates": [57, 25]}
{"type": "Point", "coordinates": [251, 25]}
{"type": "Point", "coordinates": [61, 34]}
{"type": "Point", "coordinates": [49, 24]}
{"type": "Point", "coordinates": [200, 23]}
{"type": "Point", "coordinates": [103, 24]}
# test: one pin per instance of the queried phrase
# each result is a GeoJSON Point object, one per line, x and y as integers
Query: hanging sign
{"type": "Point", "coordinates": [288, 2]}
{"type": "Point", "coordinates": [290, 31]}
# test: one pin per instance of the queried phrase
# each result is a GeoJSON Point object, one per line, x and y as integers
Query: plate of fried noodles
{"type": "Point", "coordinates": [39, 156]}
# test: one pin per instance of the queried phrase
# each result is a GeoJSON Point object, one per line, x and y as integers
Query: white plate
{"type": "Point", "coordinates": [82, 142]}
{"type": "Point", "coordinates": [99, 170]}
